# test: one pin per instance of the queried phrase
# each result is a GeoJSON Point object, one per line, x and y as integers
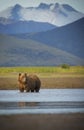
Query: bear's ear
{"type": "Point", "coordinates": [25, 74]}
{"type": "Point", "coordinates": [19, 74]}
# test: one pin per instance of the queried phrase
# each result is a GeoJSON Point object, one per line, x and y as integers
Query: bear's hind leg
{"type": "Point", "coordinates": [32, 91]}
{"type": "Point", "coordinates": [37, 90]}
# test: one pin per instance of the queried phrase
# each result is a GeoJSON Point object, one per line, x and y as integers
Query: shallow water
{"type": "Point", "coordinates": [46, 101]}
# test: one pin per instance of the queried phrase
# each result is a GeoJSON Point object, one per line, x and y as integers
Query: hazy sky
{"type": "Point", "coordinates": [77, 4]}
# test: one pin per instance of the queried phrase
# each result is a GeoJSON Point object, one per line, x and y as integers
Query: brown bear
{"type": "Point", "coordinates": [28, 82]}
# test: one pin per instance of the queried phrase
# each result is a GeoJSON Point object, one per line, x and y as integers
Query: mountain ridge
{"type": "Point", "coordinates": [23, 26]}
{"type": "Point", "coordinates": [20, 52]}
{"type": "Point", "coordinates": [69, 38]}
{"type": "Point", "coordinates": [56, 14]}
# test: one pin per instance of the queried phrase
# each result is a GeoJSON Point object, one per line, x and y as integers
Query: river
{"type": "Point", "coordinates": [46, 101]}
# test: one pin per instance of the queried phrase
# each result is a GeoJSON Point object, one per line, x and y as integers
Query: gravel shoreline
{"type": "Point", "coordinates": [69, 121]}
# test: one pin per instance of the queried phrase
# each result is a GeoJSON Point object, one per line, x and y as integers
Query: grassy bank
{"type": "Point", "coordinates": [42, 70]}
{"type": "Point", "coordinates": [51, 77]}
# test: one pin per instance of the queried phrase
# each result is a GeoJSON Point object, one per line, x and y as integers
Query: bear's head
{"type": "Point", "coordinates": [22, 78]}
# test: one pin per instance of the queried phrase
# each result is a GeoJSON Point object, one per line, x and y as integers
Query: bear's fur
{"type": "Point", "coordinates": [29, 83]}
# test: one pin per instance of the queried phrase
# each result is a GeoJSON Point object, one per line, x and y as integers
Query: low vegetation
{"type": "Point", "coordinates": [62, 69]}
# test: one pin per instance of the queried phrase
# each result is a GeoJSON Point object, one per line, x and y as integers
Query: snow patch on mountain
{"type": "Point", "coordinates": [56, 14]}
{"type": "Point", "coordinates": [6, 13]}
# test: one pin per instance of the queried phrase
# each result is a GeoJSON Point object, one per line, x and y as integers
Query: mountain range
{"type": "Point", "coordinates": [45, 35]}
{"type": "Point", "coordinates": [18, 19]}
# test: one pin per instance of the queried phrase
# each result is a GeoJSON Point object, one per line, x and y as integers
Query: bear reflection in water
{"type": "Point", "coordinates": [28, 104]}
{"type": "Point", "coordinates": [28, 82]}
